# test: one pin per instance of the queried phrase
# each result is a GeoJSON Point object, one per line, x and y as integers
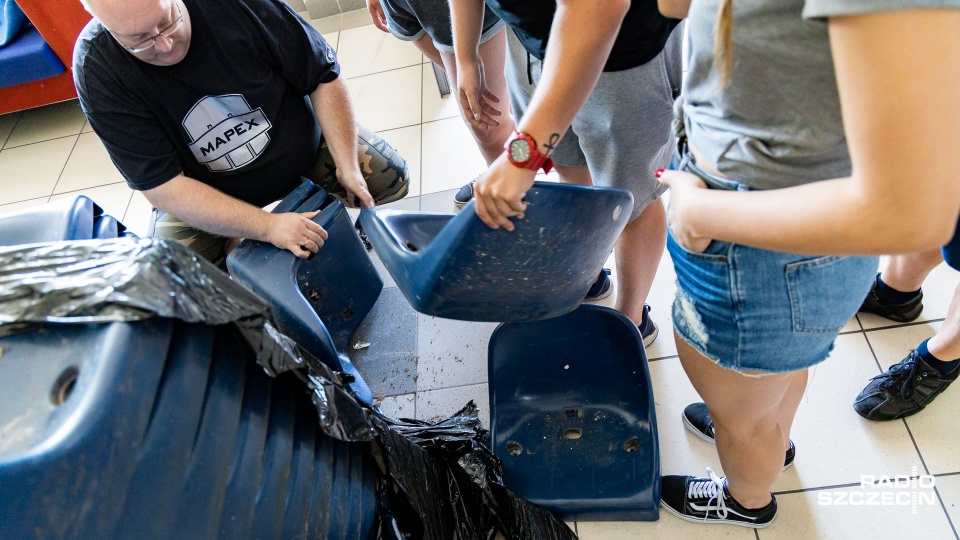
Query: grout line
{"type": "Point", "coordinates": [876, 359]}
{"type": "Point", "coordinates": [904, 325]}
{"type": "Point", "coordinates": [857, 317]}
{"type": "Point", "coordinates": [756, 533]}
{"type": "Point", "coordinates": [820, 488]}
{"type": "Point", "coordinates": [945, 475]}
{"type": "Point", "coordinates": [39, 142]}
{"type": "Point", "coordinates": [15, 124]}
{"type": "Point", "coordinates": [944, 506]}
{"type": "Point", "coordinates": [64, 168]}
{"type": "Point", "coordinates": [355, 77]}
{"type": "Point", "coordinates": [663, 358]}
{"type": "Point", "coordinates": [452, 387]}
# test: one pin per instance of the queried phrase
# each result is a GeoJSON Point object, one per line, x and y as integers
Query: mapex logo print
{"type": "Point", "coordinates": [225, 132]}
{"type": "Point", "coordinates": [911, 490]}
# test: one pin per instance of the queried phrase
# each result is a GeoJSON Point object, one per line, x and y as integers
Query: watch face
{"type": "Point", "coordinates": [519, 150]}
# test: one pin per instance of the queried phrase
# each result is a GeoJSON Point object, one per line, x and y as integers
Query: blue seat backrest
{"type": "Point", "coordinates": [27, 58]}
{"type": "Point", "coordinates": [457, 267]}
{"type": "Point", "coordinates": [64, 219]}
{"type": "Point", "coordinates": [572, 415]}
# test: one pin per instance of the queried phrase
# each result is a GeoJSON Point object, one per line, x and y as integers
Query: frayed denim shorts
{"type": "Point", "coordinates": [756, 310]}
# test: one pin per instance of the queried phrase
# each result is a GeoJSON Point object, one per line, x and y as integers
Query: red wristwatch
{"type": "Point", "coordinates": [522, 151]}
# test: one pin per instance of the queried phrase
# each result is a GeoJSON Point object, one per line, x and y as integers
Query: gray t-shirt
{"type": "Point", "coordinates": [777, 124]}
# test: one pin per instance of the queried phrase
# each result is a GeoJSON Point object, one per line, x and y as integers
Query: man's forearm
{"type": "Point", "coordinates": [466, 16]}
{"type": "Point", "coordinates": [209, 210]}
{"type": "Point", "coordinates": [331, 105]}
{"type": "Point", "coordinates": [576, 54]}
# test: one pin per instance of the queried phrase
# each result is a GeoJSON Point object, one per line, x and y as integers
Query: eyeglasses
{"type": "Point", "coordinates": [166, 32]}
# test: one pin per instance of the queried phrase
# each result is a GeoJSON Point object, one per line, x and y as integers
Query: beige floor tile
{"type": "Point", "coordinates": [355, 19]}
{"type": "Point", "coordinates": [22, 205]}
{"type": "Point", "coordinates": [949, 488]}
{"type": "Point", "coordinates": [387, 100]}
{"type": "Point", "coordinates": [138, 216]}
{"type": "Point", "coordinates": [114, 199]}
{"type": "Point", "coordinates": [32, 171]}
{"type": "Point", "coordinates": [367, 50]}
{"type": "Point", "coordinates": [681, 452]}
{"type": "Point", "coordinates": [938, 289]}
{"type": "Point", "coordinates": [452, 353]}
{"type": "Point", "coordinates": [812, 515]}
{"type": "Point", "coordinates": [450, 157]}
{"type": "Point", "coordinates": [47, 122]}
{"type": "Point", "coordinates": [935, 429]}
{"type": "Point", "coordinates": [402, 406]}
{"type": "Point", "coordinates": [443, 403]}
{"type": "Point", "coordinates": [407, 142]}
{"type": "Point", "coordinates": [667, 528]}
{"type": "Point", "coordinates": [7, 122]}
{"type": "Point", "coordinates": [434, 106]}
{"type": "Point", "coordinates": [87, 128]}
{"type": "Point", "coordinates": [826, 426]}
{"type": "Point", "coordinates": [89, 166]}
{"type": "Point", "coordinates": [327, 24]}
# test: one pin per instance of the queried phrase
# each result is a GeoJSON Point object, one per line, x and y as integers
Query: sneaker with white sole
{"type": "Point", "coordinates": [648, 328]}
{"type": "Point", "coordinates": [707, 500]}
{"type": "Point", "coordinates": [696, 418]}
{"type": "Point", "coordinates": [601, 288]}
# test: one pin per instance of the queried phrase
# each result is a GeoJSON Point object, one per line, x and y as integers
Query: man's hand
{"type": "Point", "coordinates": [685, 188]}
{"type": "Point", "coordinates": [499, 193]}
{"type": "Point", "coordinates": [477, 102]}
{"type": "Point", "coordinates": [376, 13]}
{"type": "Point", "coordinates": [296, 233]}
{"type": "Point", "coordinates": [356, 189]}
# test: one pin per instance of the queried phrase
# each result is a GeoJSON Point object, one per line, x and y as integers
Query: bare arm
{"type": "Point", "coordinates": [334, 111]}
{"type": "Point", "coordinates": [675, 9]}
{"type": "Point", "coordinates": [575, 56]}
{"type": "Point", "coordinates": [210, 210]}
{"type": "Point", "coordinates": [901, 113]}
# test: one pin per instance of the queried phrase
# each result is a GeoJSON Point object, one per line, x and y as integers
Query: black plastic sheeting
{"type": "Point", "coordinates": [441, 482]}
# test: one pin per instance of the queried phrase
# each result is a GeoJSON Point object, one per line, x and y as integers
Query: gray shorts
{"type": "Point", "coordinates": [623, 131]}
{"type": "Point", "coordinates": [409, 20]}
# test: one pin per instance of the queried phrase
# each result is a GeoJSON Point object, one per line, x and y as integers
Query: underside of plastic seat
{"type": "Point", "coordinates": [572, 415]}
{"type": "Point", "coordinates": [456, 267]}
{"type": "Point", "coordinates": [64, 219]}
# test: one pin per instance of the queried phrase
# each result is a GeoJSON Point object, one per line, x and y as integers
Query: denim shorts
{"type": "Point", "coordinates": [751, 309]}
{"type": "Point", "coordinates": [409, 20]}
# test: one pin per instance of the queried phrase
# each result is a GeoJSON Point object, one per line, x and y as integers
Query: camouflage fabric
{"type": "Point", "coordinates": [382, 167]}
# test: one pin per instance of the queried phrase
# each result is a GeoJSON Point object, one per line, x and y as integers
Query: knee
{"type": "Point", "coordinates": [492, 136]}
{"type": "Point", "coordinates": [746, 428]}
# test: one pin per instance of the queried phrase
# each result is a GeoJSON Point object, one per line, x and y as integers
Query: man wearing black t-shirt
{"type": "Point", "coordinates": [214, 108]}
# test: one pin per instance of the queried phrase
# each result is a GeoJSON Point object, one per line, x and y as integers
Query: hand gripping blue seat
{"type": "Point", "coordinates": [75, 218]}
{"type": "Point", "coordinates": [457, 267]}
{"type": "Point", "coordinates": [319, 302]}
{"type": "Point", "coordinates": [572, 415]}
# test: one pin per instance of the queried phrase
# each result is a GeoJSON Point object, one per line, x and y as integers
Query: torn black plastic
{"type": "Point", "coordinates": [442, 480]}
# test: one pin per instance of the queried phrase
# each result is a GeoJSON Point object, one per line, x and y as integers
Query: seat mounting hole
{"type": "Point", "coordinates": [63, 386]}
{"type": "Point", "coordinates": [572, 433]}
{"type": "Point", "coordinates": [514, 448]}
{"type": "Point", "coordinates": [632, 444]}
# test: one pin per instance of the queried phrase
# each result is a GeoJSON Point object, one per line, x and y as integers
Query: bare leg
{"type": "Point", "coordinates": [946, 344]}
{"type": "Point", "coordinates": [790, 404]}
{"type": "Point", "coordinates": [906, 272]}
{"type": "Point", "coordinates": [638, 255]}
{"type": "Point", "coordinates": [746, 413]}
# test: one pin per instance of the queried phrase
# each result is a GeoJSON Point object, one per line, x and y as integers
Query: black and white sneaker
{"type": "Point", "coordinates": [696, 418]}
{"type": "Point", "coordinates": [648, 329]}
{"type": "Point", "coordinates": [706, 500]}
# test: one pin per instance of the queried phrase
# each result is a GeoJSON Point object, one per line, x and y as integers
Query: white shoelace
{"type": "Point", "coordinates": [711, 488]}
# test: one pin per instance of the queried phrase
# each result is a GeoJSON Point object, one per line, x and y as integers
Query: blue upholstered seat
{"type": "Point", "coordinates": [27, 58]}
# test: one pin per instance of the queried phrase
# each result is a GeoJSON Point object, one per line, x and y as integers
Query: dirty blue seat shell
{"type": "Point", "coordinates": [74, 218]}
{"type": "Point", "coordinates": [572, 415]}
{"type": "Point", "coordinates": [166, 429]}
{"type": "Point", "coordinates": [319, 302]}
{"type": "Point", "coordinates": [457, 267]}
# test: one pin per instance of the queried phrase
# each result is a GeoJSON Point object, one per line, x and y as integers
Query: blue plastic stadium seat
{"type": "Point", "coordinates": [572, 415]}
{"type": "Point", "coordinates": [457, 267]}
{"type": "Point", "coordinates": [27, 58]}
{"type": "Point", "coordinates": [319, 302]}
{"type": "Point", "coordinates": [164, 429]}
{"type": "Point", "coordinates": [75, 218]}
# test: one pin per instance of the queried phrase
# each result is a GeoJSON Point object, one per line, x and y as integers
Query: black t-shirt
{"type": "Point", "coordinates": [642, 35]}
{"type": "Point", "coordinates": [234, 113]}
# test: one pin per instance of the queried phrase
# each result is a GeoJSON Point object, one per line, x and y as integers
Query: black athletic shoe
{"type": "Point", "coordinates": [903, 390]}
{"type": "Point", "coordinates": [696, 418]}
{"type": "Point", "coordinates": [464, 196]}
{"type": "Point", "coordinates": [648, 328]}
{"type": "Point", "coordinates": [904, 312]}
{"type": "Point", "coordinates": [601, 288]}
{"type": "Point", "coordinates": [706, 500]}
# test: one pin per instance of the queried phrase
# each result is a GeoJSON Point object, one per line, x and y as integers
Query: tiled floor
{"type": "Point", "coordinates": [426, 367]}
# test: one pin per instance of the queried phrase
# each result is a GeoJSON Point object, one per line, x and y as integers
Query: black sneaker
{"type": "Point", "coordinates": [706, 500]}
{"type": "Point", "coordinates": [905, 312]}
{"type": "Point", "coordinates": [696, 418]}
{"type": "Point", "coordinates": [601, 288]}
{"type": "Point", "coordinates": [464, 196]}
{"type": "Point", "coordinates": [903, 390]}
{"type": "Point", "coordinates": [648, 328]}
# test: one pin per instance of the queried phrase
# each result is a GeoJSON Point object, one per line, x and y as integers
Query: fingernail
{"type": "Point", "coordinates": [658, 173]}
